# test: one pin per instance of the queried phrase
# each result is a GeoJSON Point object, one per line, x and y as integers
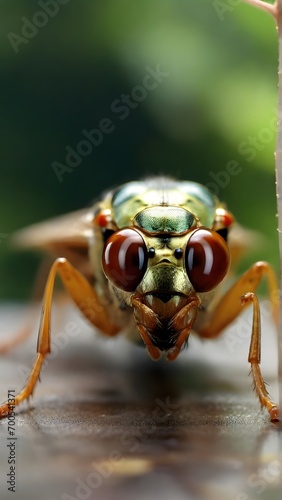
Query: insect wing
{"type": "Point", "coordinates": [242, 240]}
{"type": "Point", "coordinates": [64, 236]}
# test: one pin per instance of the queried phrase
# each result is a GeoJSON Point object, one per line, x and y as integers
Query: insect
{"type": "Point", "coordinates": [150, 257]}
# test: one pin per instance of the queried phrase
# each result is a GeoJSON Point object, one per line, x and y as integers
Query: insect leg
{"type": "Point", "coordinates": [255, 355]}
{"type": "Point", "coordinates": [26, 330]}
{"type": "Point", "coordinates": [88, 302]}
{"type": "Point", "coordinates": [229, 307]}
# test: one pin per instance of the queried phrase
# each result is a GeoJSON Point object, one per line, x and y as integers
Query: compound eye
{"type": "Point", "coordinates": [206, 259]}
{"type": "Point", "coordinates": [124, 259]}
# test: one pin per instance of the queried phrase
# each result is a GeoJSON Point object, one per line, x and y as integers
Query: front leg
{"type": "Point", "coordinates": [230, 306]}
{"type": "Point", "coordinates": [88, 302]}
{"type": "Point", "coordinates": [254, 358]}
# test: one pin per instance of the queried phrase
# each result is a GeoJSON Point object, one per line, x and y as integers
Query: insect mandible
{"type": "Point", "coordinates": [150, 257]}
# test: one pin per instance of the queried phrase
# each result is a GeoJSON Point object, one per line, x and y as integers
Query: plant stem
{"type": "Point", "coordinates": [276, 11]}
{"type": "Point", "coordinates": [278, 14]}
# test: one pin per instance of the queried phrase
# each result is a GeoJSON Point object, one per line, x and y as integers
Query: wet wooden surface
{"type": "Point", "coordinates": [108, 423]}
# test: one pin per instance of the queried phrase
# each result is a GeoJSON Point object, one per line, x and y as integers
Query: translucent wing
{"type": "Point", "coordinates": [72, 229]}
{"type": "Point", "coordinates": [64, 236]}
{"type": "Point", "coordinates": [242, 240]}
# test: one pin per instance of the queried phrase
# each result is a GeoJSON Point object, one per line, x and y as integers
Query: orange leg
{"type": "Point", "coordinates": [88, 302]}
{"type": "Point", "coordinates": [38, 289]}
{"type": "Point", "coordinates": [229, 307]}
{"type": "Point", "coordinates": [23, 333]}
{"type": "Point", "coordinates": [254, 358]}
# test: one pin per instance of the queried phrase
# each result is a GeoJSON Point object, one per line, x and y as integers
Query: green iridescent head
{"type": "Point", "coordinates": [179, 204]}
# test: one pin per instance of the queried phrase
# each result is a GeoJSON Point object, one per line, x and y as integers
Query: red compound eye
{"type": "Point", "coordinates": [206, 259]}
{"type": "Point", "coordinates": [124, 259]}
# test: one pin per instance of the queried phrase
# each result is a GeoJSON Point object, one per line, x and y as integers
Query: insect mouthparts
{"type": "Point", "coordinates": [165, 303]}
{"type": "Point", "coordinates": [164, 296]}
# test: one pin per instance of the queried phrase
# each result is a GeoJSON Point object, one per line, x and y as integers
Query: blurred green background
{"type": "Point", "coordinates": [63, 76]}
